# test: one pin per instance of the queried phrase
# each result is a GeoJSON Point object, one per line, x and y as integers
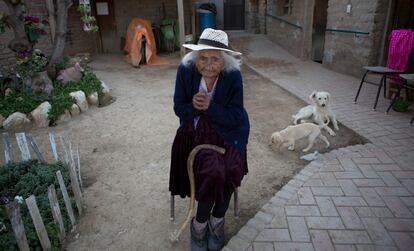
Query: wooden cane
{"type": "Point", "coordinates": [190, 161]}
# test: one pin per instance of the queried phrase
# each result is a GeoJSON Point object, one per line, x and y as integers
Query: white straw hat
{"type": "Point", "coordinates": [212, 39]}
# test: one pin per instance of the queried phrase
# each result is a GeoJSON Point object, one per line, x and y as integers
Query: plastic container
{"type": "Point", "coordinates": [206, 19]}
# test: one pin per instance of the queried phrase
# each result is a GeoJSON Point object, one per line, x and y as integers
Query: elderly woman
{"type": "Point", "coordinates": [208, 100]}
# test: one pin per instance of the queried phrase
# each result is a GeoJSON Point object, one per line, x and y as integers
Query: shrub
{"type": "Point", "coordinates": [27, 100]}
{"type": "Point", "coordinates": [24, 179]}
{"type": "Point", "coordinates": [23, 101]}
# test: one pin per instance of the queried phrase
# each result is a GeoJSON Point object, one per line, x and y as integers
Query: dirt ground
{"type": "Point", "coordinates": [125, 157]}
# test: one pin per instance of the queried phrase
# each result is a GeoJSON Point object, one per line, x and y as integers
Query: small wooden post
{"type": "Point", "coordinates": [181, 25]}
{"type": "Point", "coordinates": [57, 215]}
{"type": "Point", "coordinates": [53, 145]}
{"type": "Point", "coordinates": [8, 150]}
{"type": "Point", "coordinates": [75, 187]}
{"type": "Point", "coordinates": [35, 147]}
{"type": "Point", "coordinates": [66, 197]}
{"type": "Point", "coordinates": [65, 149]}
{"type": "Point", "coordinates": [13, 212]}
{"type": "Point", "coordinates": [38, 222]}
{"type": "Point", "coordinates": [79, 166]}
{"type": "Point", "coordinates": [22, 143]}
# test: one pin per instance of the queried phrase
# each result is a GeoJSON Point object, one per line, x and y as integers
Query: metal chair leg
{"type": "Point", "coordinates": [236, 203]}
{"type": "Point", "coordinates": [172, 216]}
{"type": "Point", "coordinates": [385, 86]}
{"type": "Point", "coordinates": [360, 86]}
{"type": "Point", "coordinates": [412, 120]}
{"type": "Point", "coordinates": [378, 92]}
{"type": "Point", "coordinates": [397, 95]}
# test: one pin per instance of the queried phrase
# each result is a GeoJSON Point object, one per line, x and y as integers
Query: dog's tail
{"type": "Point", "coordinates": [326, 122]}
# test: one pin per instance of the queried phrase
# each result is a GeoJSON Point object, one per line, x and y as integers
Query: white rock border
{"type": "Point", "coordinates": [39, 116]}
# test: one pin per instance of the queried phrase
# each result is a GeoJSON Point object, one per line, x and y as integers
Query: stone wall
{"type": "Point", "coordinates": [348, 52]}
{"type": "Point", "coordinates": [255, 16]}
{"type": "Point", "coordinates": [287, 29]}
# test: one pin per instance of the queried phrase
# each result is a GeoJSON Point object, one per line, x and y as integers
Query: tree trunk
{"type": "Point", "coordinates": [60, 34]}
{"type": "Point", "coordinates": [20, 41]}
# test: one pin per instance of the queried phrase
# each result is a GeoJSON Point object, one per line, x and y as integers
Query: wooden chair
{"type": "Point", "coordinates": [235, 199]}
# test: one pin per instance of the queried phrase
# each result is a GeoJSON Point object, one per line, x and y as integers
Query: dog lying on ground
{"type": "Point", "coordinates": [290, 134]}
{"type": "Point", "coordinates": [319, 112]}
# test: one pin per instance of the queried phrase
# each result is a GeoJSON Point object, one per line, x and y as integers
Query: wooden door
{"type": "Point", "coordinates": [234, 14]}
{"type": "Point", "coordinates": [105, 17]}
{"type": "Point", "coordinates": [320, 14]}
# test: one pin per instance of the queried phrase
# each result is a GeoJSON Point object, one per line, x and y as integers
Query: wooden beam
{"type": "Point", "coordinates": [180, 8]}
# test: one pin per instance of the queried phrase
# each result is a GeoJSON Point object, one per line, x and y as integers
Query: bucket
{"type": "Point", "coordinates": [207, 19]}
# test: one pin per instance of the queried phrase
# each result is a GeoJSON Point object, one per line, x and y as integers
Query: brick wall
{"type": "Point", "coordinates": [76, 41]}
{"type": "Point", "coordinates": [255, 16]}
{"type": "Point", "coordinates": [7, 58]}
{"type": "Point", "coordinates": [152, 10]}
{"type": "Point", "coordinates": [346, 52]}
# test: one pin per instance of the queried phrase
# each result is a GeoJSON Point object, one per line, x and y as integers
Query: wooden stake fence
{"type": "Point", "coordinates": [72, 160]}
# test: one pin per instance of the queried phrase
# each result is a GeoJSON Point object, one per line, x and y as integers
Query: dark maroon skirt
{"type": "Point", "coordinates": [216, 175]}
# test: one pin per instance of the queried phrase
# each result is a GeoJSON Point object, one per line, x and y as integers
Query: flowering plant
{"type": "Point", "coordinates": [28, 65]}
{"type": "Point", "coordinates": [35, 27]}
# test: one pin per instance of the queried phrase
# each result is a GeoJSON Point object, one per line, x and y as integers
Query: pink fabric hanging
{"type": "Point", "coordinates": [401, 43]}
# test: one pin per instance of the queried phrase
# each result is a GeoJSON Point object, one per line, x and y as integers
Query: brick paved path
{"type": "Point", "coordinates": [355, 198]}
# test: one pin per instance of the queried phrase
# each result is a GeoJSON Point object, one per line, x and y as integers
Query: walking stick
{"type": "Point", "coordinates": [190, 161]}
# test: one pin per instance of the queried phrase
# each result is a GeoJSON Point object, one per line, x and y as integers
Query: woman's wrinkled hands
{"type": "Point", "coordinates": [201, 101]}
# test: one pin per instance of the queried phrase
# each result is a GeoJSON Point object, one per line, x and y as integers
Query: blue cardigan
{"type": "Point", "coordinates": [226, 110]}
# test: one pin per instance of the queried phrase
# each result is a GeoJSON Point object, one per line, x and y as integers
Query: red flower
{"type": "Point", "coordinates": [45, 22]}
{"type": "Point", "coordinates": [31, 19]}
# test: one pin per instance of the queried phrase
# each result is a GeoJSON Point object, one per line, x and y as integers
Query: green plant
{"type": "Point", "coordinates": [24, 179]}
{"type": "Point", "coordinates": [60, 102]}
{"type": "Point", "coordinates": [35, 28]}
{"type": "Point", "coordinates": [23, 101]}
{"type": "Point", "coordinates": [28, 66]}
{"type": "Point", "coordinates": [400, 105]}
{"type": "Point", "coordinates": [88, 20]}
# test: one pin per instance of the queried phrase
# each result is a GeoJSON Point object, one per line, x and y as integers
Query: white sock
{"type": "Point", "coordinates": [199, 227]}
{"type": "Point", "coordinates": [215, 221]}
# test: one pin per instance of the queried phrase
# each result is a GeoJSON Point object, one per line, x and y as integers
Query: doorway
{"type": "Point", "coordinates": [234, 14]}
{"type": "Point", "coordinates": [105, 17]}
{"type": "Point", "coordinates": [401, 17]}
{"type": "Point", "coordinates": [320, 13]}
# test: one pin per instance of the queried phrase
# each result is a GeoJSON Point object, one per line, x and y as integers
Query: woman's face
{"type": "Point", "coordinates": [210, 63]}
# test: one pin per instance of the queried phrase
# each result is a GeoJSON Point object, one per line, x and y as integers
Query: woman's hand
{"type": "Point", "coordinates": [201, 101]}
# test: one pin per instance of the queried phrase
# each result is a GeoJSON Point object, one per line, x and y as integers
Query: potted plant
{"type": "Point", "coordinates": [30, 65]}
{"type": "Point", "coordinates": [34, 28]}
{"type": "Point", "coordinates": [400, 105]}
{"type": "Point", "coordinates": [89, 21]}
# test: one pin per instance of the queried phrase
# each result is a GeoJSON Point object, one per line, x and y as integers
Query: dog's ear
{"type": "Point", "coordinates": [328, 96]}
{"type": "Point", "coordinates": [313, 95]}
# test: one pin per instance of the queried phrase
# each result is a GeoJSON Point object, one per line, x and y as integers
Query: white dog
{"type": "Point", "coordinates": [319, 112]}
{"type": "Point", "coordinates": [290, 134]}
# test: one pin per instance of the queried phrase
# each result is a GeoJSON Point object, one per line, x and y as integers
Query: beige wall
{"type": "Point", "coordinates": [343, 52]}
{"type": "Point", "coordinates": [347, 52]}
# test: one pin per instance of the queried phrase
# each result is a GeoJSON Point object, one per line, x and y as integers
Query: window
{"type": "Point", "coordinates": [284, 7]}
